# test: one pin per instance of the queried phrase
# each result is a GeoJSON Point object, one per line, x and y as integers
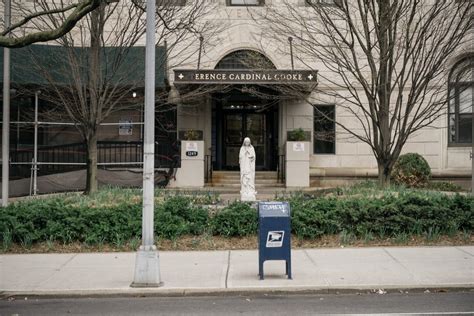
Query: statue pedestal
{"type": "Point", "coordinates": [297, 164]}
{"type": "Point", "coordinates": [191, 173]}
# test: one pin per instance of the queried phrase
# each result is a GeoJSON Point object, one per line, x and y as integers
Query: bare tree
{"type": "Point", "coordinates": [383, 61]}
{"type": "Point", "coordinates": [92, 75]}
{"type": "Point", "coordinates": [20, 33]}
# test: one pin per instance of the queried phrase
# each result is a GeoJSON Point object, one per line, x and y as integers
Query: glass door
{"type": "Point", "coordinates": [237, 126]}
{"type": "Point", "coordinates": [255, 130]}
{"type": "Point", "coordinates": [233, 138]}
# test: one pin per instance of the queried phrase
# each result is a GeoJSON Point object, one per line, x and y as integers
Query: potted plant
{"type": "Point", "coordinates": [297, 135]}
{"type": "Point", "coordinates": [192, 135]}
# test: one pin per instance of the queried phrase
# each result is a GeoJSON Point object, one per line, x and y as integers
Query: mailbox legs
{"type": "Point", "coordinates": [287, 268]}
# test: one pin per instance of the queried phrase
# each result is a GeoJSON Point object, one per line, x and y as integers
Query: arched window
{"type": "Point", "coordinates": [461, 99]}
{"type": "Point", "coordinates": [245, 59]}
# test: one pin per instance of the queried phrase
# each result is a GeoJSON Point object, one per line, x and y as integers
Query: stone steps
{"type": "Point", "coordinates": [237, 180]}
{"type": "Point", "coordinates": [237, 185]}
{"type": "Point", "coordinates": [236, 175]}
{"type": "Point", "coordinates": [231, 179]}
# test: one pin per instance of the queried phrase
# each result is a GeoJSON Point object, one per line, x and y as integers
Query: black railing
{"type": "Point", "coordinates": [115, 153]}
{"type": "Point", "coordinates": [281, 169]}
{"type": "Point", "coordinates": [60, 158]}
{"type": "Point", "coordinates": [208, 168]}
{"type": "Point", "coordinates": [71, 157]}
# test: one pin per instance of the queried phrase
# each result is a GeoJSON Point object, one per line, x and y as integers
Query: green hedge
{"type": "Point", "coordinates": [57, 219]}
{"type": "Point", "coordinates": [74, 220]}
{"type": "Point", "coordinates": [237, 219]}
{"type": "Point", "coordinates": [388, 215]}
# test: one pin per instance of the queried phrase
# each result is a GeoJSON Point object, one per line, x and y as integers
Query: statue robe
{"type": "Point", "coordinates": [247, 173]}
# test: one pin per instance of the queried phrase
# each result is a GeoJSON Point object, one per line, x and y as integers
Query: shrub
{"type": "Point", "coordinates": [80, 220]}
{"type": "Point", "coordinates": [388, 214]}
{"type": "Point", "coordinates": [177, 216]}
{"type": "Point", "coordinates": [383, 216]}
{"type": "Point", "coordinates": [191, 135]}
{"type": "Point", "coordinates": [297, 135]}
{"type": "Point", "coordinates": [411, 170]}
{"type": "Point", "coordinates": [237, 219]}
{"type": "Point", "coordinates": [313, 218]}
{"type": "Point", "coordinates": [443, 186]}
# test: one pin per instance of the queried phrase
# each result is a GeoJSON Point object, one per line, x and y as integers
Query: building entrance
{"type": "Point", "coordinates": [233, 120]}
{"type": "Point", "coordinates": [244, 111]}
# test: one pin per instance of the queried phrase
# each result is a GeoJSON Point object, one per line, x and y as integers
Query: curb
{"type": "Point", "coordinates": [190, 292]}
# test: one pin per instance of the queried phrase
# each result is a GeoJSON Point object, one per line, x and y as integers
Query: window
{"type": "Point", "coordinates": [460, 100]}
{"type": "Point", "coordinates": [245, 59]}
{"type": "Point", "coordinates": [245, 2]}
{"type": "Point", "coordinates": [324, 129]}
{"type": "Point", "coordinates": [170, 3]}
{"type": "Point", "coordinates": [323, 2]}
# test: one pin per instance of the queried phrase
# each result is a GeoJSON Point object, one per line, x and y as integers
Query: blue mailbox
{"type": "Point", "coordinates": [274, 234]}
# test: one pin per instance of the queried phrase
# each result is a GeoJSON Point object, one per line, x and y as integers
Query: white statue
{"type": "Point", "coordinates": [247, 171]}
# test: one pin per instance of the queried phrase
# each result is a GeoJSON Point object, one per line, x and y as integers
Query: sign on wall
{"type": "Point", "coordinates": [125, 127]}
{"type": "Point", "coordinates": [191, 149]}
{"type": "Point", "coordinates": [298, 146]}
{"type": "Point", "coordinates": [244, 76]}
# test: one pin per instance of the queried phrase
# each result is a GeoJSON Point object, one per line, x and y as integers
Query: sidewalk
{"type": "Point", "coordinates": [193, 272]}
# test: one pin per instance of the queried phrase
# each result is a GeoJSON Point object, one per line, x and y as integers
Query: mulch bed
{"type": "Point", "coordinates": [206, 242]}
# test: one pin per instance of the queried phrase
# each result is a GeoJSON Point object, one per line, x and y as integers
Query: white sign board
{"type": "Point", "coordinates": [191, 146]}
{"type": "Point", "coordinates": [298, 146]}
{"type": "Point", "coordinates": [125, 127]}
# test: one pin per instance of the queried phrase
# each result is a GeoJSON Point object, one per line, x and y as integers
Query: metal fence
{"type": "Point", "coordinates": [208, 168]}
{"type": "Point", "coordinates": [70, 157]}
{"type": "Point", "coordinates": [281, 169]}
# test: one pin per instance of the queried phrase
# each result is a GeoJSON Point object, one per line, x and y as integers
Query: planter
{"type": "Point", "coordinates": [191, 173]}
{"type": "Point", "coordinates": [297, 164]}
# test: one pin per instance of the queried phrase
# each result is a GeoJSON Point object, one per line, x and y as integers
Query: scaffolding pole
{"type": "Point", "coordinates": [35, 148]}
{"type": "Point", "coordinates": [6, 113]}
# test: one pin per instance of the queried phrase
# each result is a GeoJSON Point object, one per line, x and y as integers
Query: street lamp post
{"type": "Point", "coordinates": [147, 266]}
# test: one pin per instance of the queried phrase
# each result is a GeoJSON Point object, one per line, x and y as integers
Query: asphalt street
{"type": "Point", "coordinates": [454, 303]}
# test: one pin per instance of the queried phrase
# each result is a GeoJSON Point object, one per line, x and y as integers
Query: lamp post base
{"type": "Point", "coordinates": [147, 268]}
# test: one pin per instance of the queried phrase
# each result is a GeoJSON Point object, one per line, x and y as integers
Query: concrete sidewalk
{"type": "Point", "coordinates": [191, 272]}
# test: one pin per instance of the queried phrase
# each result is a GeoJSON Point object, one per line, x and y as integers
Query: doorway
{"type": "Point", "coordinates": [233, 120]}
{"type": "Point", "coordinates": [245, 110]}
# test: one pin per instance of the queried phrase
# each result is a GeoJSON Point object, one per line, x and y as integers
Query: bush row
{"type": "Point", "coordinates": [57, 220]}
{"type": "Point", "coordinates": [61, 220]}
{"type": "Point", "coordinates": [385, 216]}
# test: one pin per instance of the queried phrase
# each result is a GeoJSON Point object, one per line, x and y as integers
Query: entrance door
{"type": "Point", "coordinates": [237, 126]}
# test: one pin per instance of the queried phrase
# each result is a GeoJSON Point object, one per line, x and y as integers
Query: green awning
{"type": "Point", "coordinates": [42, 64]}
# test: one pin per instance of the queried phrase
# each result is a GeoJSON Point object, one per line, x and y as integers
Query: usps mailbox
{"type": "Point", "coordinates": [274, 232]}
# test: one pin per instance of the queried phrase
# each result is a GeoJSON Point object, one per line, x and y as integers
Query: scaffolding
{"type": "Point", "coordinates": [133, 158]}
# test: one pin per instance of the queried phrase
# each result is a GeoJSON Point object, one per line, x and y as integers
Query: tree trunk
{"type": "Point", "coordinates": [91, 180]}
{"type": "Point", "coordinates": [384, 173]}
{"type": "Point", "coordinates": [94, 109]}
